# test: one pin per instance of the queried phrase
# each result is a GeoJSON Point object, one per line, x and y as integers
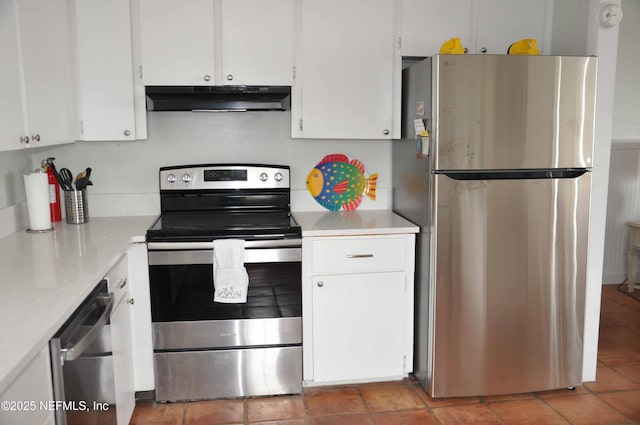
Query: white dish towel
{"type": "Point", "coordinates": [230, 279]}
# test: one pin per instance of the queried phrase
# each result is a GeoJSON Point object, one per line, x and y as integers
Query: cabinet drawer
{"type": "Point", "coordinates": [117, 279]}
{"type": "Point", "coordinates": [359, 255]}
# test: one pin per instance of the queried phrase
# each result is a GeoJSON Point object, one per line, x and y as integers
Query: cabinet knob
{"type": "Point", "coordinates": [24, 140]}
{"type": "Point", "coordinates": [229, 77]}
{"type": "Point", "coordinates": [127, 133]}
{"type": "Point", "coordinates": [36, 137]}
{"type": "Point", "coordinates": [320, 284]}
{"type": "Point", "coordinates": [130, 301]}
{"type": "Point", "coordinates": [483, 50]}
{"type": "Point", "coordinates": [207, 77]}
{"type": "Point", "coordinates": [385, 131]}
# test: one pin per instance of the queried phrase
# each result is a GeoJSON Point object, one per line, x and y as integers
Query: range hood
{"type": "Point", "coordinates": [218, 98]}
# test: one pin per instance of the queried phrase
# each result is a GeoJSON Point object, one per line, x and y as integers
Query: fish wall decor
{"type": "Point", "coordinates": [337, 182]}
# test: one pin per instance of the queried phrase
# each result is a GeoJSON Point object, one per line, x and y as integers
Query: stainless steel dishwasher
{"type": "Point", "coordinates": [82, 363]}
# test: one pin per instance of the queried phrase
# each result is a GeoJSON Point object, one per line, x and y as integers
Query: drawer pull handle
{"type": "Point", "coordinates": [359, 255]}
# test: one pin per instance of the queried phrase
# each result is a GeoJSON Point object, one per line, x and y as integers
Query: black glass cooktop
{"type": "Point", "coordinates": [204, 226]}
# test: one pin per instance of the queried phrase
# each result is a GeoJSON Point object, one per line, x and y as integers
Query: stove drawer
{"type": "Point", "coordinates": [355, 255]}
{"type": "Point", "coordinates": [211, 374]}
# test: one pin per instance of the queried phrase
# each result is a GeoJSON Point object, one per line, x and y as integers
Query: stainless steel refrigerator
{"type": "Point", "coordinates": [495, 167]}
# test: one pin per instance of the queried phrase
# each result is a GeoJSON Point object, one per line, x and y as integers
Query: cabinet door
{"type": "Point", "coordinates": [32, 387]}
{"type": "Point", "coordinates": [46, 55]}
{"type": "Point", "coordinates": [500, 23]}
{"type": "Point", "coordinates": [347, 69]}
{"type": "Point", "coordinates": [123, 360]}
{"type": "Point", "coordinates": [105, 70]}
{"type": "Point", "coordinates": [11, 113]}
{"type": "Point", "coordinates": [176, 38]}
{"type": "Point", "coordinates": [427, 24]}
{"type": "Point", "coordinates": [257, 42]}
{"type": "Point", "coordinates": [358, 326]}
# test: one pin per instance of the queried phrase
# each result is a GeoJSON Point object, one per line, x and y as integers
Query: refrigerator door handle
{"type": "Point", "coordinates": [567, 173]}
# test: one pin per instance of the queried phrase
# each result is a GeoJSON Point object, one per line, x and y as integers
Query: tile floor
{"type": "Point", "coordinates": [613, 399]}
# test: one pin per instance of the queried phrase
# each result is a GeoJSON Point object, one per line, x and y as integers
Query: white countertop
{"type": "Point", "coordinates": [351, 223]}
{"type": "Point", "coordinates": [45, 277]}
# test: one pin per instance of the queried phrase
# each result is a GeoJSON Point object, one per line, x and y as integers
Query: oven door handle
{"type": "Point", "coordinates": [75, 351]}
{"type": "Point", "coordinates": [205, 256]}
{"type": "Point", "coordinates": [174, 246]}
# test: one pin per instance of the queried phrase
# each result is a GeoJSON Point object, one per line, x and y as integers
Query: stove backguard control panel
{"type": "Point", "coordinates": [221, 177]}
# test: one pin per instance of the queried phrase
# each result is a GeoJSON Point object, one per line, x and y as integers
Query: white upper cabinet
{"type": "Point", "coordinates": [46, 55]}
{"type": "Point", "coordinates": [216, 42]}
{"type": "Point", "coordinates": [257, 42]}
{"type": "Point", "coordinates": [502, 22]}
{"type": "Point", "coordinates": [484, 26]}
{"type": "Point", "coordinates": [427, 24]}
{"type": "Point", "coordinates": [176, 39]}
{"type": "Point", "coordinates": [11, 113]}
{"type": "Point", "coordinates": [344, 85]}
{"type": "Point", "coordinates": [105, 70]}
{"type": "Point", "coordinates": [36, 77]}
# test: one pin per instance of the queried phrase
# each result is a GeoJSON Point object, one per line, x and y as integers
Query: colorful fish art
{"type": "Point", "coordinates": [337, 182]}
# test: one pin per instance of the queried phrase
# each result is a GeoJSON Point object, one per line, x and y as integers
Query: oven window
{"type": "Point", "coordinates": [185, 293]}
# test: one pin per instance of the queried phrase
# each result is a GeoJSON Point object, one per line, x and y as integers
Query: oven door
{"type": "Point", "coordinates": [212, 345]}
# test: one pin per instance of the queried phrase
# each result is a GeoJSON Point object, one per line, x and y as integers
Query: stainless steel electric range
{"type": "Point", "coordinates": [205, 349]}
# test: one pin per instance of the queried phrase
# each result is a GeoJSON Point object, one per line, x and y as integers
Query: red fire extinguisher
{"type": "Point", "coordinates": [54, 192]}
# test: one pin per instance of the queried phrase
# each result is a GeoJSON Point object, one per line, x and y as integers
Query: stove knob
{"type": "Point", "coordinates": [171, 178]}
{"type": "Point", "coordinates": [186, 178]}
{"type": "Point", "coordinates": [278, 177]}
{"type": "Point", "coordinates": [264, 177]}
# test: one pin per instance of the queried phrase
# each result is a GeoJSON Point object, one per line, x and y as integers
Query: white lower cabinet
{"type": "Point", "coordinates": [121, 341]}
{"type": "Point", "coordinates": [357, 308]}
{"type": "Point", "coordinates": [144, 374]}
{"type": "Point", "coordinates": [121, 346]}
{"type": "Point", "coordinates": [358, 326]}
{"type": "Point", "coordinates": [26, 401]}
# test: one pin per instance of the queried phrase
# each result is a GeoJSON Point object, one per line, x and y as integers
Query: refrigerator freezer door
{"type": "Point", "coordinates": [513, 112]}
{"type": "Point", "coordinates": [507, 300]}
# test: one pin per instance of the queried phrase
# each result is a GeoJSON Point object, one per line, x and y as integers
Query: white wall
{"type": "Point", "coordinates": [125, 174]}
{"type": "Point", "coordinates": [626, 113]}
{"type": "Point", "coordinates": [13, 165]}
{"type": "Point", "coordinates": [13, 212]}
{"type": "Point", "coordinates": [624, 180]}
{"type": "Point", "coordinates": [601, 42]}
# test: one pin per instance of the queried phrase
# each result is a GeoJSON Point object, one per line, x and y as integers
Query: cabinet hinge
{"type": "Point", "coordinates": [81, 127]}
{"type": "Point", "coordinates": [404, 363]}
{"type": "Point", "coordinates": [399, 43]}
{"type": "Point", "coordinates": [294, 73]}
{"type": "Point", "coordinates": [300, 124]}
{"type": "Point", "coordinates": [140, 71]}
